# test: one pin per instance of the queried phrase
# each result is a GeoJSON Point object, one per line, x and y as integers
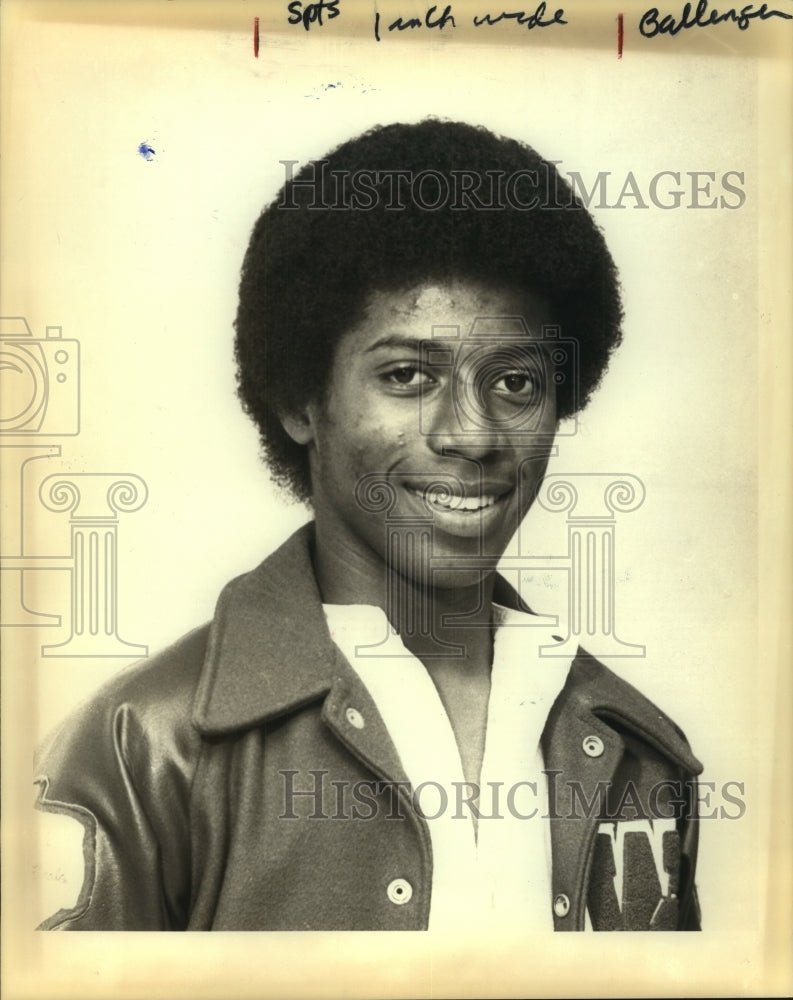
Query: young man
{"type": "Point", "coordinates": [366, 735]}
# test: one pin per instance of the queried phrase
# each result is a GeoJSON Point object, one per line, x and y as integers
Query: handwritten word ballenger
{"type": "Point", "coordinates": [704, 17]}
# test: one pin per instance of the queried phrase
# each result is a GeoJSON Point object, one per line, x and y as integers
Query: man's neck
{"type": "Point", "coordinates": [448, 628]}
{"type": "Point", "coordinates": [451, 623]}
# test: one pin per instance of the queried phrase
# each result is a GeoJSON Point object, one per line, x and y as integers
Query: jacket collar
{"type": "Point", "coordinates": [269, 649]}
{"type": "Point", "coordinates": [270, 652]}
{"type": "Point", "coordinates": [595, 696]}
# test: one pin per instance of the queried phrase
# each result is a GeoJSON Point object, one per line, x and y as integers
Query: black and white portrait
{"type": "Point", "coordinates": [382, 428]}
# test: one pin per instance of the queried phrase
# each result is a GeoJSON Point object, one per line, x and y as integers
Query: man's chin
{"type": "Point", "coordinates": [458, 580]}
{"type": "Point", "coordinates": [447, 573]}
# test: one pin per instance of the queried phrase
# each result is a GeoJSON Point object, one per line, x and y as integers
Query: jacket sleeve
{"type": "Point", "coordinates": [122, 766]}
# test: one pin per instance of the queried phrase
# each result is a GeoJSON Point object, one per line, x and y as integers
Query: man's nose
{"type": "Point", "coordinates": [456, 422]}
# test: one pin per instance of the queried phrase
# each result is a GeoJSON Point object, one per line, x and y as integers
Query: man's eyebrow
{"type": "Point", "coordinates": [397, 340]}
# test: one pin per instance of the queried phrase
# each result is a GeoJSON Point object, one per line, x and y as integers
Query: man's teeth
{"type": "Point", "coordinates": [450, 501]}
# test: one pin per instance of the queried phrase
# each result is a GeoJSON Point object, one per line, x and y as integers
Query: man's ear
{"type": "Point", "coordinates": [298, 424]}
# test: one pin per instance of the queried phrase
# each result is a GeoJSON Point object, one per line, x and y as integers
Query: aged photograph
{"type": "Point", "coordinates": [406, 382]}
{"type": "Point", "coordinates": [389, 514]}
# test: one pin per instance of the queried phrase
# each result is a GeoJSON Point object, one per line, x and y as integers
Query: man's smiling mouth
{"type": "Point", "coordinates": [438, 497]}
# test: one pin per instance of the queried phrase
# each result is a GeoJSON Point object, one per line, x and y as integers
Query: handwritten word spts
{"type": "Point", "coordinates": [312, 12]}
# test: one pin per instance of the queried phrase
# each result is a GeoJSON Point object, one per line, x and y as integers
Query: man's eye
{"type": "Point", "coordinates": [408, 376]}
{"type": "Point", "coordinates": [514, 383]}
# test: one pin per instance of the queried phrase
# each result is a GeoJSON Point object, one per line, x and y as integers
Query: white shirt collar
{"type": "Point", "coordinates": [505, 875]}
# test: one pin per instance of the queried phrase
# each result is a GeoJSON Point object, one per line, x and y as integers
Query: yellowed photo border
{"type": "Point", "coordinates": [87, 89]}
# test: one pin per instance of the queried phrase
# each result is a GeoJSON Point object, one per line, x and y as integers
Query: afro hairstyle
{"type": "Point", "coordinates": [363, 220]}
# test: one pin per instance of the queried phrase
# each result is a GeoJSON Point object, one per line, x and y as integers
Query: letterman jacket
{"type": "Point", "coordinates": [204, 782]}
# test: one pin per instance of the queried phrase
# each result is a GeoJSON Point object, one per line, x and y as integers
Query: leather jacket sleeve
{"type": "Point", "coordinates": [122, 765]}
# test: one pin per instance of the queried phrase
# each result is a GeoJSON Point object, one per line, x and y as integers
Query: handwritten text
{"type": "Point", "coordinates": [312, 13]}
{"type": "Point", "coordinates": [702, 17]}
{"type": "Point", "coordinates": [535, 20]}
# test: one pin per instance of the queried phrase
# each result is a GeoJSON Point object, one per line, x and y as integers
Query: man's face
{"type": "Point", "coordinates": [437, 424]}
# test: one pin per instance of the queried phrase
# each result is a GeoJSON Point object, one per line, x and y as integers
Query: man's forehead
{"type": "Point", "coordinates": [456, 310]}
{"type": "Point", "coordinates": [432, 297]}
{"type": "Point", "coordinates": [458, 293]}
{"type": "Point", "coordinates": [457, 299]}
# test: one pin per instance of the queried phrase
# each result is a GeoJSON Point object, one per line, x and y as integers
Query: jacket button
{"type": "Point", "coordinates": [399, 891]}
{"type": "Point", "coordinates": [561, 905]}
{"type": "Point", "coordinates": [593, 746]}
{"type": "Point", "coordinates": [354, 718]}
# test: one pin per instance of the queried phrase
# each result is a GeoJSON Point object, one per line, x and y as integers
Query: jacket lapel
{"type": "Point", "coordinates": [582, 751]}
{"type": "Point", "coordinates": [270, 653]}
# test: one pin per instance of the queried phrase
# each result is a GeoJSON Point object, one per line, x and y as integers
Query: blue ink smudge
{"type": "Point", "coordinates": [146, 151]}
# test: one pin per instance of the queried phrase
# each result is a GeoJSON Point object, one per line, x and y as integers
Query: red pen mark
{"type": "Point", "coordinates": [620, 35]}
{"type": "Point", "coordinates": [256, 36]}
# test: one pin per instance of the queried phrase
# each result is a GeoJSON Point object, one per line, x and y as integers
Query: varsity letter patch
{"type": "Point", "coordinates": [634, 879]}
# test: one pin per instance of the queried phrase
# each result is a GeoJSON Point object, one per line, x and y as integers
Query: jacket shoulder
{"type": "Point", "coordinates": [155, 695]}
